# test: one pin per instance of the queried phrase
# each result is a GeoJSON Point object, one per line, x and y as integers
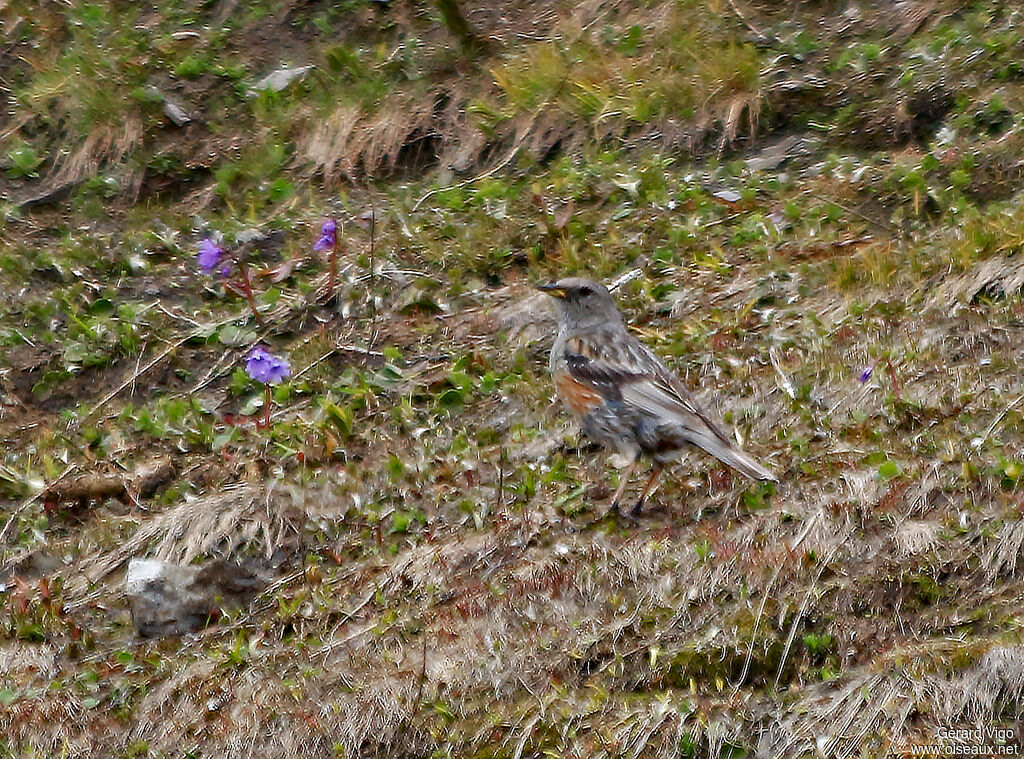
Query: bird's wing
{"type": "Point", "coordinates": [622, 368]}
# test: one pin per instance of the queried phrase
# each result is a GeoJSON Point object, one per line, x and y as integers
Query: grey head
{"type": "Point", "coordinates": [582, 302]}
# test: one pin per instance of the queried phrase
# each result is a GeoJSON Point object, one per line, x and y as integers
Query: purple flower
{"type": "Point", "coordinates": [209, 256]}
{"type": "Point", "coordinates": [328, 236]}
{"type": "Point", "coordinates": [265, 367]}
{"type": "Point", "coordinates": [866, 374]}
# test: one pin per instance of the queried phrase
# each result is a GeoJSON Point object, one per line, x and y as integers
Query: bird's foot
{"type": "Point", "coordinates": [629, 516]}
{"type": "Point", "coordinates": [637, 510]}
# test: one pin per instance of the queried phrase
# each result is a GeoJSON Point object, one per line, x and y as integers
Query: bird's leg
{"type": "Point", "coordinates": [647, 489]}
{"type": "Point", "coordinates": [624, 481]}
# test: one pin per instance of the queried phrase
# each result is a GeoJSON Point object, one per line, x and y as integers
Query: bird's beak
{"type": "Point", "coordinates": [552, 289]}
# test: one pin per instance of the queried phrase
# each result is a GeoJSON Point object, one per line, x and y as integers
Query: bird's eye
{"type": "Point", "coordinates": [586, 291]}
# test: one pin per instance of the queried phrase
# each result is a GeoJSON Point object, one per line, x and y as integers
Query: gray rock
{"type": "Point", "coordinates": [170, 599]}
{"type": "Point", "coordinates": [173, 110]}
{"type": "Point", "coordinates": [416, 299]}
{"type": "Point", "coordinates": [251, 234]}
{"type": "Point", "coordinates": [176, 113]}
{"type": "Point", "coordinates": [775, 154]}
{"type": "Point", "coordinates": [278, 80]}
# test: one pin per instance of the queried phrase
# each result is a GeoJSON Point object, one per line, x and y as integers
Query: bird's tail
{"type": "Point", "coordinates": [745, 463]}
{"type": "Point", "coordinates": [739, 460]}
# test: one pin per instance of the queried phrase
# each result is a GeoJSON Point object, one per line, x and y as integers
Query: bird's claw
{"type": "Point", "coordinates": [630, 516]}
{"type": "Point", "coordinates": [637, 510]}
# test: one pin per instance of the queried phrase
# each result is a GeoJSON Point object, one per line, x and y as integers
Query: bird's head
{"type": "Point", "coordinates": [581, 302]}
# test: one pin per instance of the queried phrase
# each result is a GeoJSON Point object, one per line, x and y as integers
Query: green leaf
{"type": "Point", "coordinates": [889, 469]}
{"type": "Point", "coordinates": [401, 521]}
{"type": "Point", "coordinates": [240, 382]}
{"type": "Point", "coordinates": [460, 380]}
{"type": "Point", "coordinates": [341, 417]}
{"type": "Point", "coordinates": [234, 336]}
{"type": "Point", "coordinates": [450, 397]}
{"type": "Point", "coordinates": [758, 496]}
{"type": "Point", "coordinates": [224, 438]}
{"type": "Point", "coordinates": [22, 161]}
{"type": "Point", "coordinates": [1012, 469]}
{"type": "Point", "coordinates": [101, 307]}
{"type": "Point", "coordinates": [252, 404]}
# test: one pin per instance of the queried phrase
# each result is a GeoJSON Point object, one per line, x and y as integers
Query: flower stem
{"type": "Point", "coordinates": [266, 406]}
{"type": "Point", "coordinates": [333, 275]}
{"type": "Point", "coordinates": [369, 281]}
{"type": "Point", "coordinates": [247, 289]}
{"type": "Point", "coordinates": [892, 377]}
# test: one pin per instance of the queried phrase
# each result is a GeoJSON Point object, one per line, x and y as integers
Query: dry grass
{"type": "Point", "coordinates": [538, 635]}
{"type": "Point", "coordinates": [102, 146]}
{"type": "Point", "coordinates": [350, 144]}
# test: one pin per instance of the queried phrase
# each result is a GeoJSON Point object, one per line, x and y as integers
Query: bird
{"type": "Point", "coordinates": [622, 393]}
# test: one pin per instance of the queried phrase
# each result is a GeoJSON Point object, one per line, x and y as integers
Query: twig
{"type": "Point", "coordinates": [132, 484]}
{"type": "Point", "coordinates": [394, 273]}
{"type": "Point", "coordinates": [138, 362]}
{"type": "Point", "coordinates": [173, 315]}
{"type": "Point", "coordinates": [625, 279]}
{"type": "Point", "coordinates": [210, 374]}
{"type": "Point", "coordinates": [198, 332]}
{"type": "Point", "coordinates": [753, 635]}
{"type": "Point", "coordinates": [373, 236]}
{"type": "Point", "coordinates": [995, 422]}
{"type": "Point", "coordinates": [799, 616]}
{"type": "Point", "coordinates": [880, 224]}
{"type": "Point", "coordinates": [131, 380]}
{"type": "Point", "coordinates": [24, 339]}
{"type": "Point", "coordinates": [784, 381]}
{"type": "Point", "coordinates": [327, 648]}
{"type": "Point", "coordinates": [806, 531]}
{"type": "Point", "coordinates": [338, 349]}
{"type": "Point", "coordinates": [357, 349]}
{"type": "Point", "coordinates": [764, 601]}
{"type": "Point", "coordinates": [493, 170]}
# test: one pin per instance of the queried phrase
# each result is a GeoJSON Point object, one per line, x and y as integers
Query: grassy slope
{"type": "Point", "coordinates": [421, 501]}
